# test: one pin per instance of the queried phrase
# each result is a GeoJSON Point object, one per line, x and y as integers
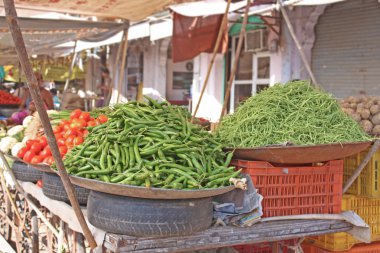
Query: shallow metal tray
{"type": "Point", "coordinates": [147, 193]}
{"type": "Point", "coordinates": [300, 154]}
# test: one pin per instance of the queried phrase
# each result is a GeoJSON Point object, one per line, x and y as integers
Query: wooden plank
{"type": "Point", "coordinates": [226, 236]}
{"type": "Point", "coordinates": [5, 247]}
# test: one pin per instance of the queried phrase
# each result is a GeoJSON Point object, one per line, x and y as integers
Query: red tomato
{"type": "Point", "coordinates": [29, 143]}
{"type": "Point", "coordinates": [28, 156]}
{"type": "Point", "coordinates": [91, 123]}
{"type": "Point", "coordinates": [45, 153]}
{"type": "Point", "coordinates": [97, 121]}
{"type": "Point", "coordinates": [22, 152]}
{"type": "Point", "coordinates": [58, 136]}
{"type": "Point", "coordinates": [63, 150]}
{"type": "Point", "coordinates": [103, 118]}
{"type": "Point", "coordinates": [70, 140]}
{"type": "Point", "coordinates": [70, 132]}
{"type": "Point", "coordinates": [36, 159]}
{"type": "Point", "coordinates": [75, 114]}
{"type": "Point", "coordinates": [66, 126]}
{"type": "Point", "coordinates": [36, 147]}
{"type": "Point", "coordinates": [39, 183]}
{"type": "Point", "coordinates": [61, 142]}
{"type": "Point", "coordinates": [43, 141]}
{"type": "Point", "coordinates": [49, 160]}
{"type": "Point", "coordinates": [85, 116]}
{"type": "Point", "coordinates": [78, 140]}
{"type": "Point", "coordinates": [85, 132]}
{"type": "Point", "coordinates": [57, 129]}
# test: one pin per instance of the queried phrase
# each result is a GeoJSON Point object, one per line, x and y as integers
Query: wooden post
{"type": "Point", "coordinates": [122, 66]}
{"type": "Point", "coordinates": [12, 20]}
{"type": "Point", "coordinates": [34, 225]}
{"type": "Point", "coordinates": [69, 74]}
{"type": "Point", "coordinates": [236, 60]}
{"type": "Point", "coordinates": [216, 47]}
{"type": "Point", "coordinates": [357, 172]}
{"type": "Point", "coordinates": [299, 47]}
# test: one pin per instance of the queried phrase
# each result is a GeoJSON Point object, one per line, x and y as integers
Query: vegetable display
{"type": "Point", "coordinates": [152, 145]}
{"type": "Point", "coordinates": [68, 134]}
{"type": "Point", "coordinates": [295, 113]}
{"type": "Point", "coordinates": [365, 110]}
{"type": "Point", "coordinates": [8, 99]}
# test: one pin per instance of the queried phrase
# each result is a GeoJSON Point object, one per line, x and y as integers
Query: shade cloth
{"type": "Point", "coordinates": [193, 35]}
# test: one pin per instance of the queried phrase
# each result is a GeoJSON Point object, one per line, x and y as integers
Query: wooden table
{"type": "Point", "coordinates": [226, 236]}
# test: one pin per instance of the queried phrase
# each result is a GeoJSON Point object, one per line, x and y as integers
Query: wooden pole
{"type": "Point", "coordinates": [69, 74]}
{"type": "Point", "coordinates": [12, 20]}
{"type": "Point", "coordinates": [236, 60]}
{"type": "Point", "coordinates": [299, 47]}
{"type": "Point", "coordinates": [216, 47]}
{"type": "Point", "coordinates": [357, 172]}
{"type": "Point", "coordinates": [122, 66]}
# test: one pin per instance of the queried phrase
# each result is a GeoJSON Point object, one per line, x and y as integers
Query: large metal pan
{"type": "Point", "coordinates": [300, 154]}
{"type": "Point", "coordinates": [147, 193]}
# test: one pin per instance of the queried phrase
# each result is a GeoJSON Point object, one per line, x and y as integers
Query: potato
{"type": "Point", "coordinates": [345, 105]}
{"type": "Point", "coordinates": [356, 117]}
{"type": "Point", "coordinates": [376, 130]}
{"type": "Point", "coordinates": [363, 98]}
{"type": "Point", "coordinates": [376, 119]}
{"type": "Point", "coordinates": [353, 105]}
{"type": "Point", "coordinates": [374, 109]}
{"type": "Point", "coordinates": [350, 99]}
{"type": "Point", "coordinates": [360, 106]}
{"type": "Point", "coordinates": [365, 113]}
{"type": "Point", "coordinates": [368, 104]}
{"type": "Point", "coordinates": [349, 111]}
{"type": "Point", "coordinates": [366, 125]}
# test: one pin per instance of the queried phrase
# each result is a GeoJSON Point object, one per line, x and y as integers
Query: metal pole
{"type": "Point", "coordinates": [122, 66]}
{"type": "Point", "coordinates": [69, 75]}
{"type": "Point", "coordinates": [299, 47]}
{"type": "Point", "coordinates": [216, 47]}
{"type": "Point", "coordinates": [12, 20]}
{"type": "Point", "coordinates": [236, 61]}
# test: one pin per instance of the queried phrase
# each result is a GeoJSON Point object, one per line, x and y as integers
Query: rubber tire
{"type": "Point", "coordinates": [26, 173]}
{"type": "Point", "coordinates": [53, 188]}
{"type": "Point", "coordinates": [148, 217]}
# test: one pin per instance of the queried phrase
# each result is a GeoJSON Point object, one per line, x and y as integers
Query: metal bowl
{"type": "Point", "coordinates": [300, 154]}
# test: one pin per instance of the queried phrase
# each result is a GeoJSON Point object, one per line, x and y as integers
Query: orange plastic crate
{"type": "Point", "coordinates": [292, 190]}
{"type": "Point", "coordinates": [263, 247]}
{"type": "Point", "coordinates": [361, 248]}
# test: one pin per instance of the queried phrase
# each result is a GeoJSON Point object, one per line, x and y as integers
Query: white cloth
{"type": "Point", "coordinates": [64, 211]}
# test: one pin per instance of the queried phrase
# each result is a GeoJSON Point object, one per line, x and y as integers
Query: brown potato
{"type": "Point", "coordinates": [366, 125]}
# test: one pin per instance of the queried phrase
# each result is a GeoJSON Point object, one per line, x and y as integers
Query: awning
{"type": "Point", "coordinates": [253, 24]}
{"type": "Point", "coordinates": [133, 10]}
{"type": "Point", "coordinates": [42, 35]}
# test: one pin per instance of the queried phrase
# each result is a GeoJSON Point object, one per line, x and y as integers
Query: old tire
{"type": "Point", "coordinates": [148, 217]}
{"type": "Point", "coordinates": [24, 172]}
{"type": "Point", "coordinates": [53, 188]}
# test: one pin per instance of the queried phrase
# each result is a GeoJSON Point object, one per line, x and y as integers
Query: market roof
{"type": "Point", "coordinates": [133, 10]}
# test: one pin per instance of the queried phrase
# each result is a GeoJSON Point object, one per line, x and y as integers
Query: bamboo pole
{"type": "Point", "coordinates": [69, 75]}
{"type": "Point", "coordinates": [12, 20]}
{"type": "Point", "coordinates": [236, 60]}
{"type": "Point", "coordinates": [4, 184]}
{"type": "Point", "coordinates": [298, 45]}
{"type": "Point", "coordinates": [216, 47]}
{"type": "Point", "coordinates": [357, 172]}
{"type": "Point", "coordinates": [122, 66]}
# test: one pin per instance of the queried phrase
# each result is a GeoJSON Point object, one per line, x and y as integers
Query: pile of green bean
{"type": "Point", "coordinates": [295, 113]}
{"type": "Point", "coordinates": [153, 145]}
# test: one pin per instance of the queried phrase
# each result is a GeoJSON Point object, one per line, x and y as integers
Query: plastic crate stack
{"type": "Point", "coordinates": [364, 199]}
{"type": "Point", "coordinates": [294, 189]}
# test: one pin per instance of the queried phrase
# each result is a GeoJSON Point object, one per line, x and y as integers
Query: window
{"type": "Point", "coordinates": [252, 75]}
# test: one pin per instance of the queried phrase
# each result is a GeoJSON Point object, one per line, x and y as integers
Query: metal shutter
{"type": "Point", "coordinates": [346, 53]}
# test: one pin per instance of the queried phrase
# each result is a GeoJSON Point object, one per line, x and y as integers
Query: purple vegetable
{"type": "Point", "coordinates": [18, 117]}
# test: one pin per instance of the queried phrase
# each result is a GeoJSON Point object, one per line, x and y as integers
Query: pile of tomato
{"type": "Point", "coordinates": [8, 99]}
{"type": "Point", "coordinates": [68, 133]}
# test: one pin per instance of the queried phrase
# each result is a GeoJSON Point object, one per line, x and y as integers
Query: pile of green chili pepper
{"type": "Point", "coordinates": [295, 113]}
{"type": "Point", "coordinates": [153, 145]}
